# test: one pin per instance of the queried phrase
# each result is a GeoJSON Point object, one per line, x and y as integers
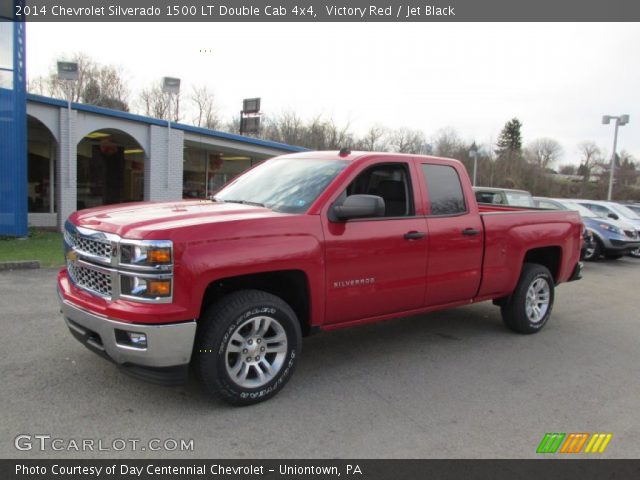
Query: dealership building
{"type": "Point", "coordinates": [57, 157]}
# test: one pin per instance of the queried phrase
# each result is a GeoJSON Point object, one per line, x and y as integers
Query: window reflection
{"type": "Point", "coordinates": [205, 170]}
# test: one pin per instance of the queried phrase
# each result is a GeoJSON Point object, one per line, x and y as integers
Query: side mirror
{"type": "Point", "coordinates": [614, 216]}
{"type": "Point", "coordinates": [358, 206]}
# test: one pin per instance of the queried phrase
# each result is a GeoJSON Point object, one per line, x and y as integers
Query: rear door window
{"type": "Point", "coordinates": [445, 190]}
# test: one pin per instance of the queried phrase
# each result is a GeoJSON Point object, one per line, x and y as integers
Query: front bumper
{"type": "Point", "coordinates": [164, 359]}
{"type": "Point", "coordinates": [611, 245]}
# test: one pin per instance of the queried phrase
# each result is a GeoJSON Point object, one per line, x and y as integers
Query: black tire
{"type": "Point", "coordinates": [515, 312]}
{"type": "Point", "coordinates": [613, 256]}
{"type": "Point", "coordinates": [218, 352]}
{"type": "Point", "coordinates": [596, 252]}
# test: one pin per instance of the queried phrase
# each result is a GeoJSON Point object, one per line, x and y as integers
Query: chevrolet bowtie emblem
{"type": "Point", "coordinates": [72, 256]}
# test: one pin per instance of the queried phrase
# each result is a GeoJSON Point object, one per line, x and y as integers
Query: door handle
{"type": "Point", "coordinates": [414, 235]}
{"type": "Point", "coordinates": [470, 231]}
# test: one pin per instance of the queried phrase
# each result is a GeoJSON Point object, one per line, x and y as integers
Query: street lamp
{"type": "Point", "coordinates": [474, 152]}
{"type": "Point", "coordinates": [68, 71]}
{"type": "Point", "coordinates": [620, 121]}
{"type": "Point", "coordinates": [170, 86]}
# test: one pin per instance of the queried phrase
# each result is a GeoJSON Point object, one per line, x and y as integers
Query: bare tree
{"type": "Point", "coordinates": [590, 155]}
{"type": "Point", "coordinates": [544, 152]}
{"type": "Point", "coordinates": [338, 136]}
{"type": "Point", "coordinates": [101, 85]}
{"type": "Point", "coordinates": [627, 169]}
{"type": "Point", "coordinates": [286, 128]}
{"type": "Point", "coordinates": [374, 140]}
{"type": "Point", "coordinates": [204, 100]}
{"type": "Point", "coordinates": [38, 86]}
{"type": "Point", "coordinates": [447, 143]}
{"type": "Point", "coordinates": [158, 104]}
{"type": "Point", "coordinates": [406, 140]}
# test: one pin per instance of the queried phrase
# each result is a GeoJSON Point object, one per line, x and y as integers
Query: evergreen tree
{"type": "Point", "coordinates": [509, 153]}
{"type": "Point", "coordinates": [510, 140]}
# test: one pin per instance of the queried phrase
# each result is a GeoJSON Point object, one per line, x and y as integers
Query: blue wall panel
{"type": "Point", "coordinates": [13, 129]}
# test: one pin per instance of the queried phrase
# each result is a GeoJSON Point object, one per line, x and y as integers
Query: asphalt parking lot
{"type": "Point", "coordinates": [453, 384]}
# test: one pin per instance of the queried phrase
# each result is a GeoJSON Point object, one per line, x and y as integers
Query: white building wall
{"type": "Point", "coordinates": [163, 166]}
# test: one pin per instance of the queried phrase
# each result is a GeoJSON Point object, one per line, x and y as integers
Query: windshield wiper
{"type": "Point", "coordinates": [244, 202]}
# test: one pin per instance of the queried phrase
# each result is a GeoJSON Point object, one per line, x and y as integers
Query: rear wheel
{"type": "Point", "coordinates": [248, 347]}
{"type": "Point", "coordinates": [529, 307]}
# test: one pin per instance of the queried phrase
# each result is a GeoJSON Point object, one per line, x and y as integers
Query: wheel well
{"type": "Point", "coordinates": [290, 285]}
{"type": "Point", "coordinates": [547, 256]}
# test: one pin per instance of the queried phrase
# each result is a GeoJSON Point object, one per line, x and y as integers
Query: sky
{"type": "Point", "coordinates": [557, 78]}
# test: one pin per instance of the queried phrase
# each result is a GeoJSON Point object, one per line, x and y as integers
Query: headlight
{"type": "Point", "coordinates": [147, 253]}
{"type": "Point", "coordinates": [151, 287]}
{"type": "Point", "coordinates": [611, 229]}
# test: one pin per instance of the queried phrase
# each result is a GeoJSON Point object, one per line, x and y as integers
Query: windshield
{"type": "Point", "coordinates": [287, 185]}
{"type": "Point", "coordinates": [583, 211]}
{"type": "Point", "coordinates": [520, 199]}
{"type": "Point", "coordinates": [625, 211]}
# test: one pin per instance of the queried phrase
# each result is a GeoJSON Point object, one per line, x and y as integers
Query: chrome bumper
{"type": "Point", "coordinates": [168, 345]}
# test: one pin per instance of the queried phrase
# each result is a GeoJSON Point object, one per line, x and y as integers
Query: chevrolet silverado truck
{"type": "Point", "coordinates": [227, 287]}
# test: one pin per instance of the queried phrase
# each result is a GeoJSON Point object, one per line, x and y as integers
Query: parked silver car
{"type": "Point", "coordinates": [610, 238]}
{"type": "Point", "coordinates": [615, 211]}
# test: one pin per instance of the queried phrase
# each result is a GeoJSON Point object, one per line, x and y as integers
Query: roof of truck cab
{"type": "Point", "coordinates": [357, 155]}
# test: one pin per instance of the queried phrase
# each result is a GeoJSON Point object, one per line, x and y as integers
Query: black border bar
{"type": "Point", "coordinates": [534, 469]}
{"type": "Point", "coordinates": [328, 11]}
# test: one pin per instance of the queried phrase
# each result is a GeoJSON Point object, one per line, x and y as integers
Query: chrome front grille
{"type": "Point", "coordinates": [94, 247]}
{"type": "Point", "coordinates": [95, 264]}
{"type": "Point", "coordinates": [90, 279]}
{"type": "Point", "coordinates": [89, 246]}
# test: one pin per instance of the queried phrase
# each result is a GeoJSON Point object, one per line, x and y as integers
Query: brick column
{"type": "Point", "coordinates": [67, 167]}
{"type": "Point", "coordinates": [162, 171]}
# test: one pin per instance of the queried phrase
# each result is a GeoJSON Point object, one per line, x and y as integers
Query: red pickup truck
{"type": "Point", "coordinates": [303, 242]}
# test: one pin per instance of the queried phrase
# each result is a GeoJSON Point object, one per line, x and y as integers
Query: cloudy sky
{"type": "Point", "coordinates": [557, 78]}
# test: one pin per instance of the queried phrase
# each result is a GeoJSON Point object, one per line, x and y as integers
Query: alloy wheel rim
{"type": "Point", "coordinates": [538, 298]}
{"type": "Point", "coordinates": [589, 252]}
{"type": "Point", "coordinates": [256, 352]}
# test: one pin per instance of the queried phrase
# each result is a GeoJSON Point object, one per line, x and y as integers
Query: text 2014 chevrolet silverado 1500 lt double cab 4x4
{"type": "Point", "coordinates": [302, 242]}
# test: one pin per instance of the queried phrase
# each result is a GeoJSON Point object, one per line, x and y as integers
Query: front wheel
{"type": "Point", "coordinates": [248, 347]}
{"type": "Point", "coordinates": [529, 307]}
{"type": "Point", "coordinates": [594, 251]}
{"type": "Point", "coordinates": [635, 253]}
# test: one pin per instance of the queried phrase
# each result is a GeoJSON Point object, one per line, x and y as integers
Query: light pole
{"type": "Point", "coordinates": [171, 86]}
{"type": "Point", "coordinates": [474, 153]}
{"type": "Point", "coordinates": [68, 71]}
{"type": "Point", "coordinates": [620, 121]}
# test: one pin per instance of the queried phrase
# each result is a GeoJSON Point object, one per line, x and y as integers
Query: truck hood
{"type": "Point", "coordinates": [140, 220]}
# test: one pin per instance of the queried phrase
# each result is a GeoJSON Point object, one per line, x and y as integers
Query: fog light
{"type": "Point", "coordinates": [131, 339]}
{"type": "Point", "coordinates": [138, 339]}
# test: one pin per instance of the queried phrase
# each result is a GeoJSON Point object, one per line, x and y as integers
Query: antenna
{"type": "Point", "coordinates": [344, 151]}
